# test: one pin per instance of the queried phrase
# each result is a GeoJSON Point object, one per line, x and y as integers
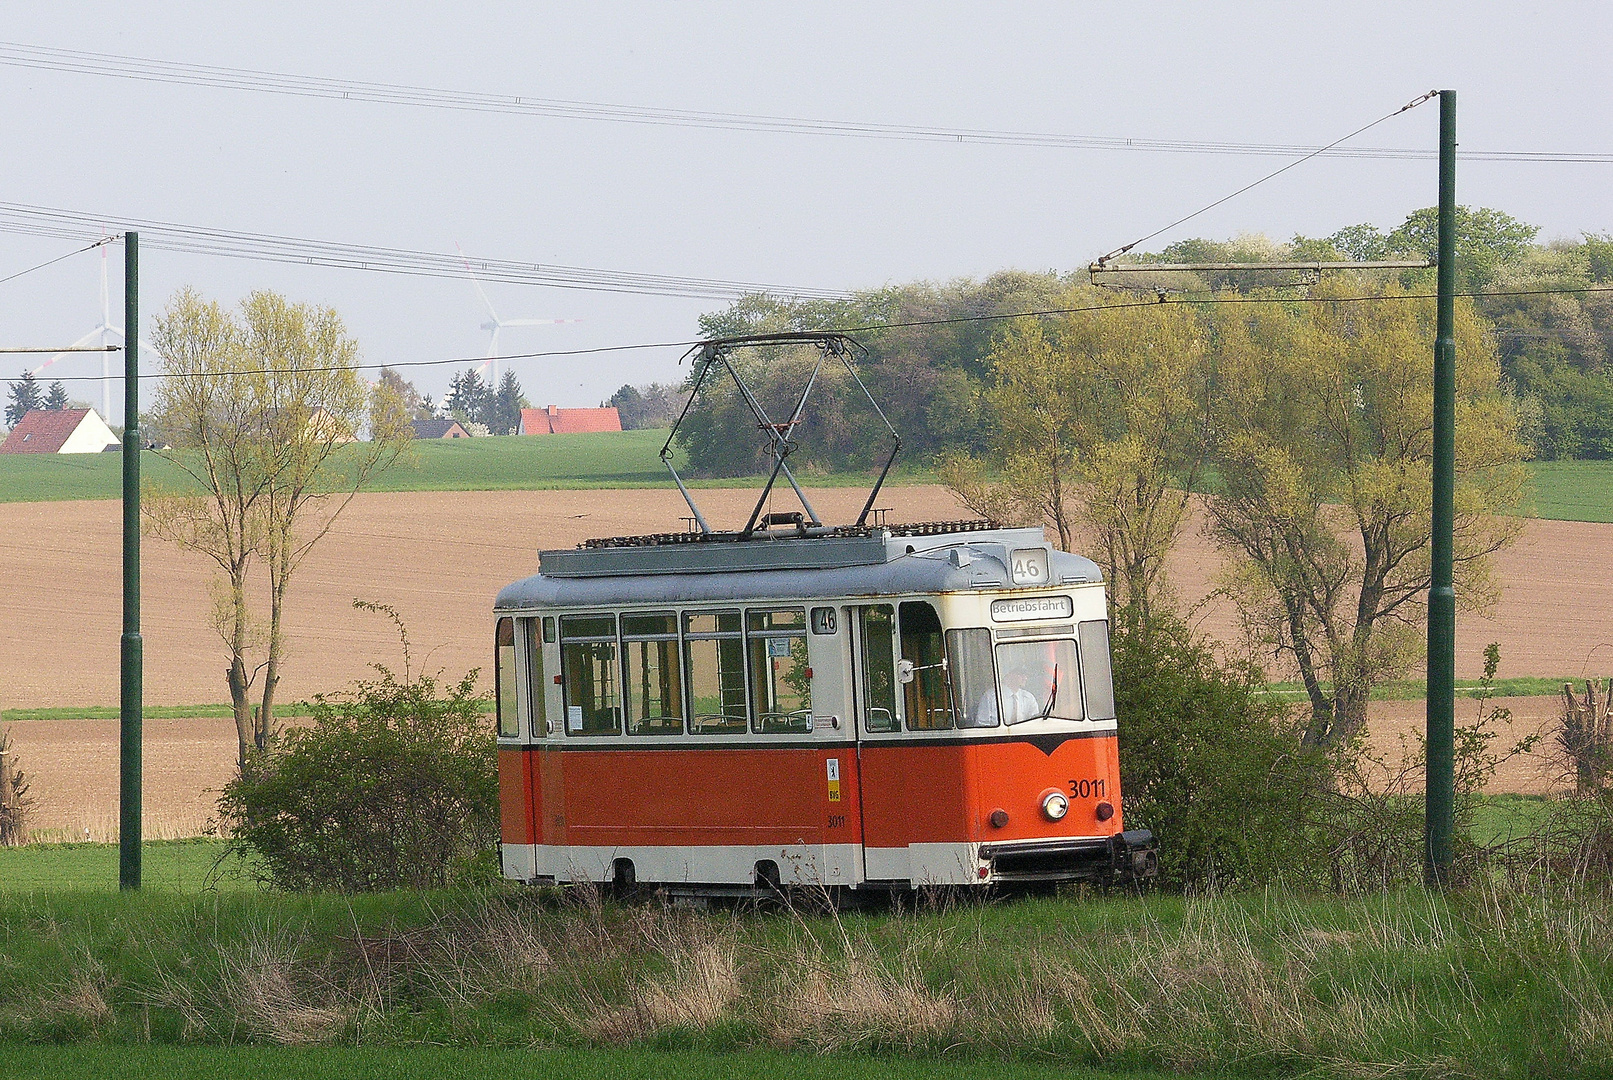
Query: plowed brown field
{"type": "Point", "coordinates": [440, 557]}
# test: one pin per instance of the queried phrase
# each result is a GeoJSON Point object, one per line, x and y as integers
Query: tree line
{"type": "Point", "coordinates": [1554, 347]}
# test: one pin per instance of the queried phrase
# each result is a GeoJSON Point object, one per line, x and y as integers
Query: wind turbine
{"type": "Point", "coordinates": [496, 324]}
{"type": "Point", "coordinates": [102, 331]}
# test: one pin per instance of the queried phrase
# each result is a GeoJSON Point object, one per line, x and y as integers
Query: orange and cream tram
{"type": "Point", "coordinates": [859, 708]}
{"type": "Point", "coordinates": [791, 703]}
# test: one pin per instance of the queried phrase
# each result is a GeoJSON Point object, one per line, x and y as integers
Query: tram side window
{"type": "Point", "coordinates": [780, 688]}
{"type": "Point", "coordinates": [878, 632]}
{"type": "Point", "coordinates": [536, 685]}
{"type": "Point", "coordinates": [504, 663]}
{"type": "Point", "coordinates": [714, 669]}
{"type": "Point", "coordinates": [974, 684]}
{"type": "Point", "coordinates": [925, 694]}
{"type": "Point", "coordinates": [1096, 677]}
{"type": "Point", "coordinates": [589, 675]}
{"type": "Point", "coordinates": [654, 685]}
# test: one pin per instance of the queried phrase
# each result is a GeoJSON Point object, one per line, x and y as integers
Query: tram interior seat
{"type": "Point", "coordinates": [717, 724]}
{"type": "Point", "coordinates": [774, 723]}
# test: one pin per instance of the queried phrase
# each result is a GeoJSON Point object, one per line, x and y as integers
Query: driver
{"type": "Point", "coordinates": [1018, 702]}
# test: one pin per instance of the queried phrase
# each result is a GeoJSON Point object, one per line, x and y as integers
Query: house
{"type": "Point", "coordinates": [438, 429]}
{"type": "Point", "coordinates": [60, 431]}
{"type": "Point", "coordinates": [553, 421]}
{"type": "Point", "coordinates": [325, 426]}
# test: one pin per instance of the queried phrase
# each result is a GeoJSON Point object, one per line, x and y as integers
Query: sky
{"type": "Point", "coordinates": [792, 210]}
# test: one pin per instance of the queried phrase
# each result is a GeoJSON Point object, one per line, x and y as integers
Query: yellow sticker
{"type": "Point", "coordinates": [834, 779]}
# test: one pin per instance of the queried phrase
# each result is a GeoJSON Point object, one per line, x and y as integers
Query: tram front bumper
{"type": "Point", "coordinates": [1108, 860]}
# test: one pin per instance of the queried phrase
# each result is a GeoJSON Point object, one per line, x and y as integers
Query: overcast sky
{"type": "Point", "coordinates": [794, 210]}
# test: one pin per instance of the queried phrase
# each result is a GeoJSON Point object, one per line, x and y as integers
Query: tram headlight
{"type": "Point", "coordinates": [1055, 805]}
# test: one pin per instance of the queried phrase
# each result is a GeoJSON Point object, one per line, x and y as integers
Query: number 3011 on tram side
{"type": "Point", "coordinates": [878, 708]}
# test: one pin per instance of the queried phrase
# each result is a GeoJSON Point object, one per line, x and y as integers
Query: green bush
{"type": "Point", "coordinates": [392, 785]}
{"type": "Point", "coordinates": [1209, 763]}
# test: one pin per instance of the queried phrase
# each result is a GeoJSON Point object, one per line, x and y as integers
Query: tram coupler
{"type": "Point", "coordinates": [1133, 856]}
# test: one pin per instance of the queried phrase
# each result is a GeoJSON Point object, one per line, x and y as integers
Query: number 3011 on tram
{"type": "Point", "coordinates": [877, 708]}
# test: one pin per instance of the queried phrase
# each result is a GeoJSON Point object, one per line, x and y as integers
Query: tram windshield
{"type": "Point", "coordinates": [1038, 679]}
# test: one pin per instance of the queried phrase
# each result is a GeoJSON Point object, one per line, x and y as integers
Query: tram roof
{"type": "Point", "coordinates": [874, 562]}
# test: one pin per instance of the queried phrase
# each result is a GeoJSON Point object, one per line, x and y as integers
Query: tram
{"type": "Point", "coordinates": [854, 707]}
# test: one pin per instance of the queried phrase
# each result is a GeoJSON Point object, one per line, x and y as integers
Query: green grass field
{"type": "Point", "coordinates": [1417, 689]}
{"type": "Point", "coordinates": [183, 866]}
{"type": "Point", "coordinates": [625, 459]}
{"type": "Point", "coordinates": [1572, 490]}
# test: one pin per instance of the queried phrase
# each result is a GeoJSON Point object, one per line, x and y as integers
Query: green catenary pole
{"type": "Point", "coordinates": [129, 729]}
{"type": "Point", "coordinates": [1441, 791]}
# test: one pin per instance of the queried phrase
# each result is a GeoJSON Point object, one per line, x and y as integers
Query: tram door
{"type": "Point", "coordinates": [879, 764]}
{"type": "Point", "coordinates": [542, 662]}
{"type": "Point", "coordinates": [916, 788]}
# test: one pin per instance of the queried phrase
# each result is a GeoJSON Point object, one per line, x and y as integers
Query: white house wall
{"type": "Point", "coordinates": [92, 436]}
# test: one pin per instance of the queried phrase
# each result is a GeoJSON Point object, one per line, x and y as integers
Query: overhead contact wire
{"type": "Point", "coordinates": [1269, 176]}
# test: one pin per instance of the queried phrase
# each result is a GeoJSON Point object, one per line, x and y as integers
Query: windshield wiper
{"type": "Point", "coordinates": [1052, 695]}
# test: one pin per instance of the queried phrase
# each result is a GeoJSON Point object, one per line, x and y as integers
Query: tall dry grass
{"type": "Point", "coordinates": [1491, 982]}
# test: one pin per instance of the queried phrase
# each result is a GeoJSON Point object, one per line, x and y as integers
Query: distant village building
{"type": "Point", "coordinates": [60, 431]}
{"type": "Point", "coordinates": [326, 426]}
{"type": "Point", "coordinates": [439, 429]}
{"type": "Point", "coordinates": [553, 421]}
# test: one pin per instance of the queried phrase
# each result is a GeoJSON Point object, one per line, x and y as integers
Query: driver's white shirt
{"type": "Point", "coordinates": [1022, 705]}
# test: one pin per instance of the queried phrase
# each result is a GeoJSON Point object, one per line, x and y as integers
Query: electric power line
{"type": "Point", "coordinates": [143, 69]}
{"type": "Point", "coordinates": [869, 328]}
{"type": "Point", "coordinates": [31, 220]}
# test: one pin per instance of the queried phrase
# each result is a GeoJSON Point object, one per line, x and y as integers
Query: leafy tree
{"type": "Point", "coordinates": [1363, 243]}
{"type": "Point", "coordinates": [1485, 239]}
{"type": "Point", "coordinates": [469, 399]}
{"type": "Point", "coordinates": [1097, 436]}
{"type": "Point", "coordinates": [417, 405]}
{"type": "Point", "coordinates": [391, 785]}
{"type": "Point", "coordinates": [264, 422]}
{"type": "Point", "coordinates": [504, 409]}
{"type": "Point", "coordinates": [1323, 444]}
{"type": "Point", "coordinates": [25, 397]}
{"type": "Point", "coordinates": [56, 397]}
{"type": "Point", "coordinates": [648, 406]}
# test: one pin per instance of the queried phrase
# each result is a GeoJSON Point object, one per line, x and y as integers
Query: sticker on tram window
{"type": "Point", "coordinates": [573, 717]}
{"type": "Point", "coordinates": [823, 620]}
{"type": "Point", "coordinates": [778, 647]}
{"type": "Point", "coordinates": [834, 779]}
{"type": "Point", "coordinates": [1026, 609]}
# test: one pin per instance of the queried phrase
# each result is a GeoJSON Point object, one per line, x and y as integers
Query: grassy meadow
{"type": "Point", "coordinates": [617, 459]}
{"type": "Point", "coordinates": [1481, 983]}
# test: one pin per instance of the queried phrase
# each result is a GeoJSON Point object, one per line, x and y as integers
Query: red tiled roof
{"type": "Point", "coordinates": [553, 421]}
{"type": "Point", "coordinates": [43, 431]}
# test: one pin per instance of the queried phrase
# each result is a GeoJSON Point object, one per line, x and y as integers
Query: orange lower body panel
{"type": "Point", "coordinates": [882, 795]}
